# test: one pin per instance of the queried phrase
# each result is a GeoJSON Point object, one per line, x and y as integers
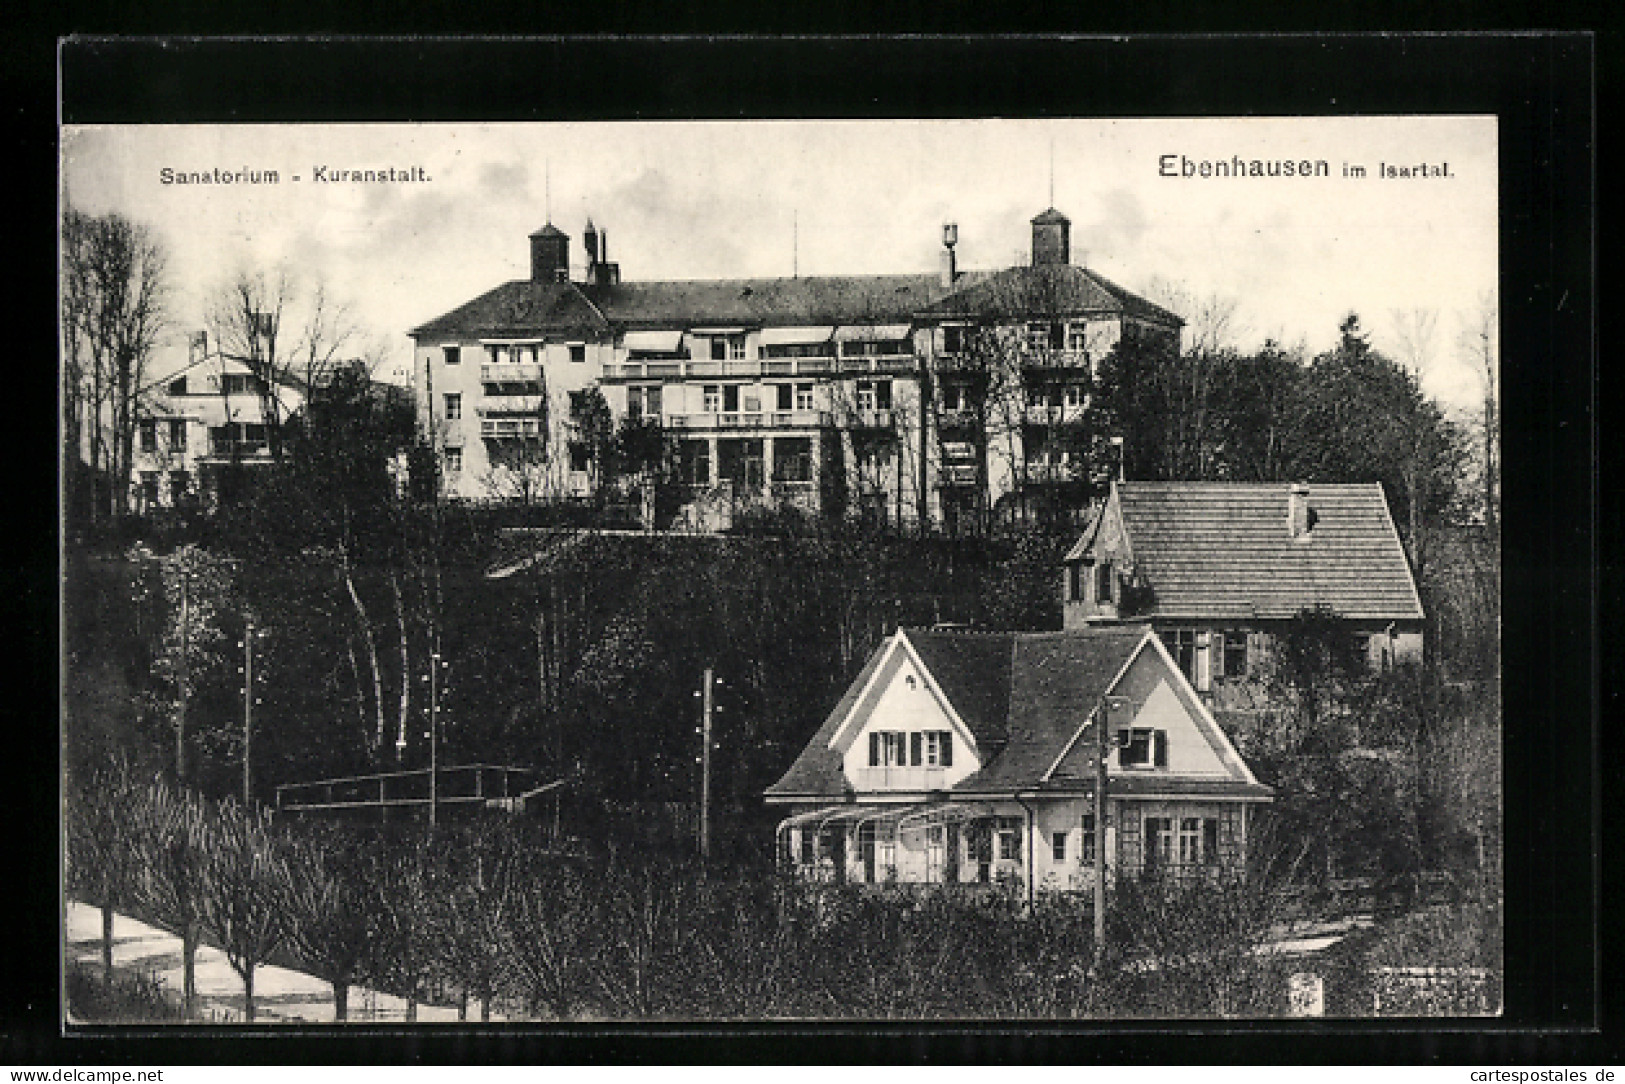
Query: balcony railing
{"type": "Point", "coordinates": [512, 404]}
{"type": "Point", "coordinates": [896, 778]}
{"type": "Point", "coordinates": [510, 372]}
{"type": "Point", "coordinates": [1045, 414]}
{"type": "Point", "coordinates": [707, 369]}
{"type": "Point", "coordinates": [870, 419]}
{"type": "Point", "coordinates": [959, 474]}
{"type": "Point", "coordinates": [510, 428]}
{"type": "Point", "coordinates": [956, 419]}
{"type": "Point", "coordinates": [1055, 359]}
{"type": "Point", "coordinates": [756, 419]}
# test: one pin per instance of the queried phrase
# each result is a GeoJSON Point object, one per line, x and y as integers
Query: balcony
{"type": "Point", "coordinates": [512, 404]}
{"type": "Point", "coordinates": [510, 372]}
{"type": "Point", "coordinates": [510, 428]}
{"type": "Point", "coordinates": [962, 418]}
{"type": "Point", "coordinates": [756, 419]}
{"type": "Point", "coordinates": [1055, 359]}
{"type": "Point", "coordinates": [871, 419]}
{"type": "Point", "coordinates": [897, 778]}
{"type": "Point", "coordinates": [958, 474]}
{"type": "Point", "coordinates": [879, 363]}
{"type": "Point", "coordinates": [1044, 414]}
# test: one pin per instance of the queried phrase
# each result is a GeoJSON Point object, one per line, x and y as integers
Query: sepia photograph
{"type": "Point", "coordinates": [940, 569]}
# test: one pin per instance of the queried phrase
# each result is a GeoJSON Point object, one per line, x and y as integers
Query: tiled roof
{"type": "Point", "coordinates": [817, 771]}
{"type": "Point", "coordinates": [1218, 550]}
{"type": "Point", "coordinates": [1023, 695]}
{"type": "Point", "coordinates": [1044, 291]}
{"type": "Point", "coordinates": [1055, 678]}
{"type": "Point", "coordinates": [824, 299]}
{"type": "Point", "coordinates": [521, 307]}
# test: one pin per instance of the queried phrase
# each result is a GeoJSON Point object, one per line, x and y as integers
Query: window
{"type": "Point", "coordinates": [149, 487]}
{"type": "Point", "coordinates": [695, 458]}
{"type": "Point", "coordinates": [177, 386]}
{"type": "Point", "coordinates": [496, 355]}
{"type": "Point", "coordinates": [237, 384]}
{"type": "Point", "coordinates": [254, 433]}
{"type": "Point", "coordinates": [809, 846]}
{"type": "Point", "coordinates": [1210, 840]}
{"type": "Point", "coordinates": [953, 340]}
{"type": "Point", "coordinates": [1105, 581]}
{"type": "Point", "coordinates": [1077, 337]}
{"type": "Point", "coordinates": [643, 404]}
{"type": "Point", "coordinates": [454, 354]}
{"type": "Point", "coordinates": [713, 398]}
{"type": "Point", "coordinates": [730, 398]}
{"type": "Point", "coordinates": [1074, 395]}
{"type": "Point", "coordinates": [937, 747]}
{"type": "Point", "coordinates": [180, 483]}
{"type": "Point", "coordinates": [1074, 582]}
{"type": "Point", "coordinates": [578, 351]}
{"type": "Point", "coordinates": [1142, 747]}
{"type": "Point", "coordinates": [953, 397]}
{"type": "Point", "coordinates": [1057, 847]}
{"type": "Point", "coordinates": [1190, 841]}
{"type": "Point", "coordinates": [736, 348]}
{"type": "Point", "coordinates": [719, 349]}
{"type": "Point", "coordinates": [792, 459]}
{"type": "Point", "coordinates": [1086, 840]}
{"type": "Point", "coordinates": [177, 434]}
{"type": "Point", "coordinates": [580, 455]}
{"type": "Point", "coordinates": [866, 395]}
{"type": "Point", "coordinates": [784, 393]}
{"type": "Point", "coordinates": [454, 460]}
{"type": "Point", "coordinates": [454, 406]}
{"type": "Point", "coordinates": [1230, 651]}
{"type": "Point", "coordinates": [887, 749]}
{"type": "Point", "coordinates": [148, 431]}
{"type": "Point", "coordinates": [1159, 841]}
{"type": "Point", "coordinates": [1181, 645]}
{"type": "Point", "coordinates": [1009, 831]}
{"type": "Point", "coordinates": [804, 396]}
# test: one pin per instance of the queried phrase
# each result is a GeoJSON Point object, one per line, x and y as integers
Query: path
{"type": "Point", "coordinates": [281, 995]}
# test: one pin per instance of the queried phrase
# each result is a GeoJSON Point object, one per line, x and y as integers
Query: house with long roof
{"type": "Point", "coordinates": [970, 758]}
{"type": "Point", "coordinates": [1219, 569]}
{"type": "Point", "coordinates": [804, 391]}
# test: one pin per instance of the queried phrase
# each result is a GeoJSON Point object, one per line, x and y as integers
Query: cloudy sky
{"type": "Point", "coordinates": [703, 200]}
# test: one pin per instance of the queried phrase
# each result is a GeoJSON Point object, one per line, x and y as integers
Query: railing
{"type": "Point", "coordinates": [899, 778]}
{"type": "Point", "coordinates": [465, 785]}
{"type": "Point", "coordinates": [956, 419]}
{"type": "Point", "coordinates": [758, 419]}
{"type": "Point", "coordinates": [701, 369]}
{"type": "Point", "coordinates": [508, 372]}
{"type": "Point", "coordinates": [870, 419]}
{"type": "Point", "coordinates": [511, 404]}
{"type": "Point", "coordinates": [516, 428]}
{"type": "Point", "coordinates": [1055, 415]}
{"type": "Point", "coordinates": [959, 475]}
{"type": "Point", "coordinates": [1055, 359]}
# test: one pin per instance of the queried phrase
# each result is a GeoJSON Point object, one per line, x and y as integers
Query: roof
{"type": "Point", "coordinates": [1050, 216]}
{"type": "Point", "coordinates": [551, 230]}
{"type": "Point", "coordinates": [1024, 696]}
{"type": "Point", "coordinates": [1047, 290]}
{"type": "Point", "coordinates": [1216, 550]}
{"type": "Point", "coordinates": [521, 307]}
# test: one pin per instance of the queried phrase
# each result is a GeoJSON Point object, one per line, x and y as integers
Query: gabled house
{"type": "Point", "coordinates": [1218, 569]}
{"type": "Point", "coordinates": [966, 758]}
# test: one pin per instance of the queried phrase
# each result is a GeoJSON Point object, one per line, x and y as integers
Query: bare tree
{"type": "Point", "coordinates": [172, 829]}
{"type": "Point", "coordinates": [115, 291]}
{"type": "Point", "coordinates": [245, 896]}
{"type": "Point", "coordinates": [249, 316]}
{"type": "Point", "coordinates": [1479, 343]}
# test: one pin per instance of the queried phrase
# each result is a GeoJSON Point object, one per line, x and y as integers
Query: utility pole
{"type": "Point", "coordinates": [1102, 719]}
{"type": "Point", "coordinates": [248, 700]}
{"type": "Point", "coordinates": [434, 736]}
{"type": "Point", "coordinates": [705, 765]}
{"type": "Point", "coordinates": [186, 679]}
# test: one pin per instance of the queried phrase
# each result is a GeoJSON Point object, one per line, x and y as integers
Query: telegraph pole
{"type": "Point", "coordinates": [434, 736]}
{"type": "Point", "coordinates": [705, 764]}
{"type": "Point", "coordinates": [1102, 719]}
{"type": "Point", "coordinates": [248, 700]}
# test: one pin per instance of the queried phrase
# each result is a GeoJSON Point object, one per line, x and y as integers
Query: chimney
{"type": "Point", "coordinates": [1052, 239]}
{"type": "Point", "coordinates": [549, 255]}
{"type": "Point", "coordinates": [950, 269]}
{"type": "Point", "coordinates": [1300, 518]}
{"type": "Point", "coordinates": [589, 237]}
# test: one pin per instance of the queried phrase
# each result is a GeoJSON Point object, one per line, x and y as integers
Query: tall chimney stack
{"type": "Point", "coordinates": [1052, 239]}
{"type": "Point", "coordinates": [549, 255]}
{"type": "Point", "coordinates": [950, 268]}
{"type": "Point", "coordinates": [1299, 516]}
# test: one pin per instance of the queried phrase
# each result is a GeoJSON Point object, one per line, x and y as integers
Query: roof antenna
{"type": "Point", "coordinates": [795, 244]}
{"type": "Point", "coordinates": [549, 190]}
{"type": "Point", "coordinates": [1052, 171]}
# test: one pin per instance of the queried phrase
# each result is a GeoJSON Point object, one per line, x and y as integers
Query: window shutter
{"type": "Point", "coordinates": [1216, 653]}
{"type": "Point", "coordinates": [1204, 656]}
{"type": "Point", "coordinates": [914, 741]}
{"type": "Point", "coordinates": [874, 748]}
{"type": "Point", "coordinates": [1160, 744]}
{"type": "Point", "coordinates": [947, 749]}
